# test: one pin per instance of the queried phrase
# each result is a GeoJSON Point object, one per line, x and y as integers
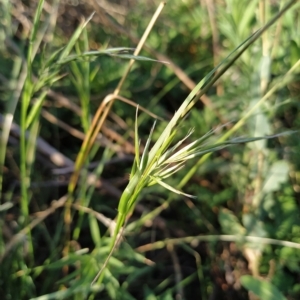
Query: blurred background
{"type": "Point", "coordinates": [175, 247]}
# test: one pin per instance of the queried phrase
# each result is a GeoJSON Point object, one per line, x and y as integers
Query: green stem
{"type": "Point", "coordinates": [240, 123]}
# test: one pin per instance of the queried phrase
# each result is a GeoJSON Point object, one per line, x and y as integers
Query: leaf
{"type": "Point", "coordinates": [148, 294]}
{"type": "Point", "coordinates": [117, 52]}
{"type": "Point", "coordinates": [260, 124]}
{"type": "Point", "coordinates": [95, 230]}
{"type": "Point", "coordinates": [230, 223]}
{"type": "Point", "coordinates": [247, 16]}
{"type": "Point", "coordinates": [278, 174]}
{"type": "Point", "coordinates": [138, 57]}
{"type": "Point", "coordinates": [254, 227]}
{"type": "Point", "coordinates": [67, 261]}
{"type": "Point", "coordinates": [80, 287]}
{"type": "Point", "coordinates": [67, 49]}
{"type": "Point", "coordinates": [6, 206]}
{"type": "Point", "coordinates": [295, 52]}
{"type": "Point", "coordinates": [35, 110]}
{"type": "Point", "coordinates": [263, 289]}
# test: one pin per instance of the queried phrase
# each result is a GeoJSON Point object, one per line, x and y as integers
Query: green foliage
{"type": "Point", "coordinates": [263, 289]}
{"type": "Point", "coordinates": [203, 202]}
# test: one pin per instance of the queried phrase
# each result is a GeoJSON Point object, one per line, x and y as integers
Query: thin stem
{"type": "Point", "coordinates": [241, 122]}
{"type": "Point", "coordinates": [214, 238]}
{"type": "Point", "coordinates": [103, 110]}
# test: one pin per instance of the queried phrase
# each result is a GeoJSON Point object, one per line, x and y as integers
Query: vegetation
{"type": "Point", "coordinates": [198, 101]}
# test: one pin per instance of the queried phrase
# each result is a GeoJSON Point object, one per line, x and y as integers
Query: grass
{"type": "Point", "coordinates": [199, 196]}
